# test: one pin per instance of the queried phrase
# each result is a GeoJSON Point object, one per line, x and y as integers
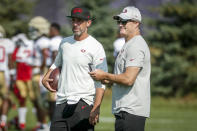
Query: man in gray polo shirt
{"type": "Point", "coordinates": [131, 78]}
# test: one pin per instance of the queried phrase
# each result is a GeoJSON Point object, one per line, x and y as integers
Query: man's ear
{"type": "Point", "coordinates": [89, 22]}
{"type": "Point", "coordinates": [137, 24]}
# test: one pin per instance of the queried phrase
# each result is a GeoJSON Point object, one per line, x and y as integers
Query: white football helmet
{"type": "Point", "coordinates": [2, 32]}
{"type": "Point", "coordinates": [38, 26]}
{"type": "Point", "coordinates": [20, 39]}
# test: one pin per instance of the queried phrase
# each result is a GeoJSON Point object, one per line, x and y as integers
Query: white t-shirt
{"type": "Point", "coordinates": [55, 42]}
{"type": "Point", "coordinates": [118, 44]}
{"type": "Point", "coordinates": [53, 46]}
{"type": "Point", "coordinates": [75, 82]}
{"type": "Point", "coordinates": [133, 99]}
{"type": "Point", "coordinates": [39, 45]}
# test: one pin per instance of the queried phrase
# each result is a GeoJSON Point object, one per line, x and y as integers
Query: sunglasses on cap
{"type": "Point", "coordinates": [124, 22]}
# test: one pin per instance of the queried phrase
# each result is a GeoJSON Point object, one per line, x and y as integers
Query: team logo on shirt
{"type": "Point", "coordinates": [83, 51]}
{"type": "Point", "coordinates": [101, 58]}
{"type": "Point", "coordinates": [131, 59]}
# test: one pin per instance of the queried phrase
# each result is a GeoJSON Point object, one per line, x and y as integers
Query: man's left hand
{"type": "Point", "coordinates": [94, 116]}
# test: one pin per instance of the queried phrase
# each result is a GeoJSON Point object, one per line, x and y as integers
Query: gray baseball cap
{"type": "Point", "coordinates": [129, 13]}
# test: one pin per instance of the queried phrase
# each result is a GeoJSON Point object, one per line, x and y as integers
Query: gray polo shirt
{"type": "Point", "coordinates": [133, 99]}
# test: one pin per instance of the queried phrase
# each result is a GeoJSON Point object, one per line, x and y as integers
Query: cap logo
{"type": "Point", "coordinates": [79, 10]}
{"type": "Point", "coordinates": [124, 11]}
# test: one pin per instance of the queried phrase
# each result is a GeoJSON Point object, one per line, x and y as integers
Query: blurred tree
{"type": "Point", "coordinates": [13, 15]}
{"type": "Point", "coordinates": [104, 28]}
{"type": "Point", "coordinates": [173, 48]}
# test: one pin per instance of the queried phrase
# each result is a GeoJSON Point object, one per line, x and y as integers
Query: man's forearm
{"type": "Point", "coordinates": [94, 114]}
{"type": "Point", "coordinates": [99, 97]}
{"type": "Point", "coordinates": [45, 55]}
{"type": "Point", "coordinates": [127, 78]}
{"type": "Point", "coordinates": [120, 79]}
{"type": "Point", "coordinates": [48, 73]}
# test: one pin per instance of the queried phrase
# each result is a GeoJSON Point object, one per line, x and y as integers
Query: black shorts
{"type": "Point", "coordinates": [73, 117]}
{"type": "Point", "coordinates": [129, 122]}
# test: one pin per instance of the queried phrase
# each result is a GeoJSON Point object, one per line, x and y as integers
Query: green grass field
{"type": "Point", "coordinates": [166, 115]}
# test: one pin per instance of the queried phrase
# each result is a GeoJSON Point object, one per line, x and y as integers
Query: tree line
{"type": "Point", "coordinates": [171, 37]}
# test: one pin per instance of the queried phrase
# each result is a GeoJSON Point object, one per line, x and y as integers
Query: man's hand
{"type": "Point", "coordinates": [94, 116]}
{"type": "Point", "coordinates": [98, 74]}
{"type": "Point", "coordinates": [46, 80]}
{"type": "Point", "coordinates": [105, 82]}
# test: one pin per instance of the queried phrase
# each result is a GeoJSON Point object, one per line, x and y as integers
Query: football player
{"type": "Point", "coordinates": [55, 40]}
{"type": "Point", "coordinates": [6, 48]}
{"type": "Point", "coordinates": [38, 31]}
{"type": "Point", "coordinates": [22, 55]}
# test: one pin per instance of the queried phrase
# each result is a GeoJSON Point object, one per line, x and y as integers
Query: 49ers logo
{"type": "Point", "coordinates": [79, 10]}
{"type": "Point", "coordinates": [82, 50]}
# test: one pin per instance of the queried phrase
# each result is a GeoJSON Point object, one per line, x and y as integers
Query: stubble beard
{"type": "Point", "coordinates": [78, 33]}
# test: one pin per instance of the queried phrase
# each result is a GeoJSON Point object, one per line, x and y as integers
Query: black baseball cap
{"type": "Point", "coordinates": [82, 13]}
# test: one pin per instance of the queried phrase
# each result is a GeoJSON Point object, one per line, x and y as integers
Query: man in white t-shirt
{"type": "Point", "coordinates": [78, 97]}
{"type": "Point", "coordinates": [131, 78]}
{"type": "Point", "coordinates": [55, 40]}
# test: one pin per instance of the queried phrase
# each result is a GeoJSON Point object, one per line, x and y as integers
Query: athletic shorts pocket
{"type": "Point", "coordinates": [69, 110]}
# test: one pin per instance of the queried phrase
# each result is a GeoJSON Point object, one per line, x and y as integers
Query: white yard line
{"type": "Point", "coordinates": [152, 120]}
{"type": "Point", "coordinates": [107, 119]}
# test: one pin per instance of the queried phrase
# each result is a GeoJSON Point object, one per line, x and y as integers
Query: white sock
{"type": "Point", "coordinates": [45, 125]}
{"type": "Point", "coordinates": [34, 111]}
{"type": "Point", "coordinates": [38, 124]}
{"type": "Point", "coordinates": [3, 118]}
{"type": "Point", "coordinates": [22, 114]}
